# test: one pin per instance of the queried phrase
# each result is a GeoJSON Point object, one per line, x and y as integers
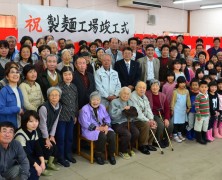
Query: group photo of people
{"type": "Point", "coordinates": [148, 92]}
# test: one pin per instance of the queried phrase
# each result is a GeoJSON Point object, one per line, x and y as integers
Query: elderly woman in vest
{"type": "Point", "coordinates": [158, 103]}
{"type": "Point", "coordinates": [122, 123]}
{"type": "Point", "coordinates": [95, 124]}
{"type": "Point", "coordinates": [49, 115]}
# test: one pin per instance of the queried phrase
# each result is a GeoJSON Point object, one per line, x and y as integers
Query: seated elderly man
{"type": "Point", "coordinates": [159, 104]}
{"type": "Point", "coordinates": [107, 81]}
{"type": "Point", "coordinates": [14, 163]}
{"type": "Point", "coordinates": [95, 126]}
{"type": "Point", "coordinates": [144, 121]}
{"type": "Point", "coordinates": [122, 122]}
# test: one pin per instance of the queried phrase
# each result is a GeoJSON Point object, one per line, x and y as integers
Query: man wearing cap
{"type": "Point", "coordinates": [160, 105]}
{"type": "Point", "coordinates": [144, 121]}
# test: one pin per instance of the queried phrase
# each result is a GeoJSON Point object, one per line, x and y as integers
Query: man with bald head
{"type": "Point", "coordinates": [144, 121]}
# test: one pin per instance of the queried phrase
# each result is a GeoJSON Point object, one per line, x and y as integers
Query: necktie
{"type": "Point", "coordinates": [128, 67]}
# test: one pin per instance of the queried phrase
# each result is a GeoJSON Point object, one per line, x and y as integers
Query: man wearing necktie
{"type": "Point", "coordinates": [128, 70]}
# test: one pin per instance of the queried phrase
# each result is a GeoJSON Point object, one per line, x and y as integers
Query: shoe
{"type": "Point", "coordinates": [63, 162]}
{"type": "Point", "coordinates": [162, 145]}
{"type": "Point", "coordinates": [124, 155]}
{"type": "Point", "coordinates": [132, 153]}
{"type": "Point", "coordinates": [211, 134]}
{"type": "Point", "coordinates": [143, 149]}
{"type": "Point", "coordinates": [99, 160]}
{"type": "Point", "coordinates": [51, 165]}
{"type": "Point", "coordinates": [71, 159]}
{"type": "Point", "coordinates": [46, 173]}
{"type": "Point", "coordinates": [181, 137]}
{"type": "Point", "coordinates": [208, 136]}
{"type": "Point", "coordinates": [199, 138]}
{"type": "Point", "coordinates": [189, 135]}
{"type": "Point", "coordinates": [216, 133]}
{"type": "Point", "coordinates": [193, 134]}
{"type": "Point", "coordinates": [177, 139]}
{"type": "Point", "coordinates": [204, 135]}
{"type": "Point", "coordinates": [151, 148]}
{"type": "Point", "coordinates": [220, 128]}
{"type": "Point", "coordinates": [165, 142]}
{"type": "Point", "coordinates": [112, 160]}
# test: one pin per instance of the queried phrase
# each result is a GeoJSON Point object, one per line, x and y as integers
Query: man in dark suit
{"type": "Point", "coordinates": [84, 82]}
{"type": "Point", "coordinates": [133, 42]}
{"type": "Point", "coordinates": [128, 70]}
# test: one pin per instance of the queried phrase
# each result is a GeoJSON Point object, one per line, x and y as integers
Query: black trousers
{"type": "Point", "coordinates": [103, 138]}
{"type": "Point", "coordinates": [48, 152]}
{"type": "Point", "coordinates": [126, 136]}
{"type": "Point", "coordinates": [178, 128]}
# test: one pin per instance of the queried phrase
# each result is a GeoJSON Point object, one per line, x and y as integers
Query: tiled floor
{"type": "Point", "coordinates": [188, 161]}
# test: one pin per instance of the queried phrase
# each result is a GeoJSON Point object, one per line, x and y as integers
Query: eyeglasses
{"type": "Point", "coordinates": [5, 131]}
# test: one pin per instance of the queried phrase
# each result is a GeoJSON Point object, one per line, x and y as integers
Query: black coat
{"type": "Point", "coordinates": [128, 79]}
{"type": "Point", "coordinates": [138, 55]}
{"type": "Point", "coordinates": [44, 83]}
{"type": "Point", "coordinates": [83, 93]}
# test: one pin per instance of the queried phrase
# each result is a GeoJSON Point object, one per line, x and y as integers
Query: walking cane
{"type": "Point", "coordinates": [165, 130]}
{"type": "Point", "coordinates": [156, 141]}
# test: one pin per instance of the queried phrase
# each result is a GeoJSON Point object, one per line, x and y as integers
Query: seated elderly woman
{"type": "Point", "coordinates": [122, 122]}
{"type": "Point", "coordinates": [95, 126]}
{"type": "Point", "coordinates": [158, 103]}
{"type": "Point", "coordinates": [144, 121]}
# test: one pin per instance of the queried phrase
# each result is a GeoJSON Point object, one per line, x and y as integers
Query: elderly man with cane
{"type": "Point", "coordinates": [144, 121]}
{"type": "Point", "coordinates": [160, 108]}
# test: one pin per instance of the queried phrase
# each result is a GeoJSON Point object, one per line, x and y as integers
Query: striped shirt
{"type": "Point", "coordinates": [202, 105]}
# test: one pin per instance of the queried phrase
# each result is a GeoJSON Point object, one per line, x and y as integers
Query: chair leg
{"type": "Point", "coordinates": [78, 146]}
{"type": "Point", "coordinates": [91, 152]}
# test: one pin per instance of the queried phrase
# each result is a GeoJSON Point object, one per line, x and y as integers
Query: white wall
{"type": "Point", "coordinates": [206, 22]}
{"type": "Point", "coordinates": [167, 19]}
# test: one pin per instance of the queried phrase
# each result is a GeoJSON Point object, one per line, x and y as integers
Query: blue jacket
{"type": "Point", "coordinates": [8, 105]}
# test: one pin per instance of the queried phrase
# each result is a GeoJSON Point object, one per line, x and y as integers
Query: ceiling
{"type": "Point", "coordinates": [187, 6]}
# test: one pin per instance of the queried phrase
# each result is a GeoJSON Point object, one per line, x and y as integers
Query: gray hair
{"type": "Point", "coordinates": [65, 50]}
{"type": "Point", "coordinates": [140, 82]}
{"type": "Point", "coordinates": [52, 55]}
{"type": "Point", "coordinates": [52, 42]}
{"type": "Point", "coordinates": [11, 37]}
{"type": "Point", "coordinates": [124, 89]}
{"type": "Point", "coordinates": [94, 94]}
{"type": "Point", "coordinates": [154, 81]}
{"type": "Point", "coordinates": [105, 54]}
{"type": "Point", "coordinates": [49, 91]}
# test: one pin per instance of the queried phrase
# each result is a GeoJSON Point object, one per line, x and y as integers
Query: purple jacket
{"type": "Point", "coordinates": [87, 120]}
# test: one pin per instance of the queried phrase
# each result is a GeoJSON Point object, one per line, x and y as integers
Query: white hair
{"type": "Point", "coordinates": [52, 42]}
{"type": "Point", "coordinates": [124, 89]}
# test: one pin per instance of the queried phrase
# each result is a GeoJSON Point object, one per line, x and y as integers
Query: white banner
{"type": "Point", "coordinates": [75, 24]}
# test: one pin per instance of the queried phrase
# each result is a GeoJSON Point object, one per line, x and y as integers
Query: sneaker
{"type": "Point", "coordinates": [124, 155]}
{"type": "Point", "coordinates": [177, 139]}
{"type": "Point", "coordinates": [181, 137]}
{"type": "Point", "coordinates": [63, 162]}
{"type": "Point", "coordinates": [132, 153]}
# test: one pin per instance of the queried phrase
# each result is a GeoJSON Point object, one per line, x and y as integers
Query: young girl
{"type": "Point", "coordinates": [180, 106]}
{"type": "Point", "coordinates": [217, 129]}
{"type": "Point", "coordinates": [209, 65]}
{"type": "Point", "coordinates": [67, 119]}
{"type": "Point", "coordinates": [28, 137]}
{"type": "Point", "coordinates": [185, 70]}
{"type": "Point", "coordinates": [199, 74]}
{"type": "Point", "coordinates": [169, 86]}
{"type": "Point", "coordinates": [214, 108]}
{"type": "Point", "coordinates": [177, 69]}
{"type": "Point", "coordinates": [194, 90]}
{"type": "Point", "coordinates": [4, 49]}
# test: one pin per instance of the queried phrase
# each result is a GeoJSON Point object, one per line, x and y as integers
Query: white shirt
{"type": "Point", "coordinates": [52, 76]}
{"type": "Point", "coordinates": [134, 56]}
{"type": "Point", "coordinates": [150, 69]}
{"type": "Point", "coordinates": [15, 90]}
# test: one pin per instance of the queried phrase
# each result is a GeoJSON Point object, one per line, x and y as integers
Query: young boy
{"type": "Point", "coordinates": [194, 90]}
{"type": "Point", "coordinates": [202, 113]}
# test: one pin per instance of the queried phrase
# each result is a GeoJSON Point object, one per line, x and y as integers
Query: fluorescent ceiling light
{"type": "Point", "coordinates": [185, 1]}
{"type": "Point", "coordinates": [210, 6]}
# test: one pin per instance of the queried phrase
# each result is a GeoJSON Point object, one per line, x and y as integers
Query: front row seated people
{"type": "Point", "coordinates": [95, 126]}
{"type": "Point", "coordinates": [144, 121]}
{"type": "Point", "coordinates": [122, 124]}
